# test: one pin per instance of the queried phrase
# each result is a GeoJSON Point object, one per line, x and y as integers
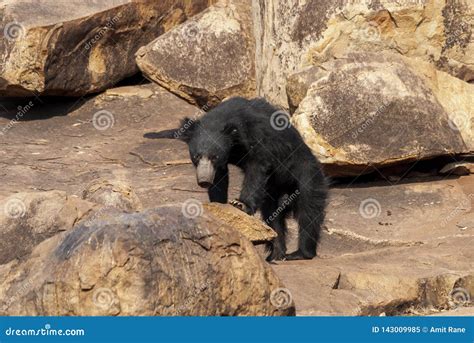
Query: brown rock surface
{"type": "Point", "coordinates": [364, 101]}
{"type": "Point", "coordinates": [208, 58]}
{"type": "Point", "coordinates": [254, 230]}
{"type": "Point", "coordinates": [76, 47]}
{"type": "Point", "coordinates": [26, 219]}
{"type": "Point", "coordinates": [458, 168]}
{"type": "Point", "coordinates": [293, 34]}
{"type": "Point", "coordinates": [456, 97]}
{"type": "Point", "coordinates": [159, 262]}
{"type": "Point", "coordinates": [422, 228]}
{"type": "Point", "coordinates": [391, 281]}
{"type": "Point", "coordinates": [114, 193]}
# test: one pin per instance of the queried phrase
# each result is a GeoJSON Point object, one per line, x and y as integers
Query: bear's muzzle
{"type": "Point", "coordinates": [205, 172]}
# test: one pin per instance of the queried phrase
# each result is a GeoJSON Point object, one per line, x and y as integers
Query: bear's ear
{"type": "Point", "coordinates": [186, 129]}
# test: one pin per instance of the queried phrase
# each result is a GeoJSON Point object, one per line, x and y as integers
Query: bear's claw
{"type": "Point", "coordinates": [238, 204]}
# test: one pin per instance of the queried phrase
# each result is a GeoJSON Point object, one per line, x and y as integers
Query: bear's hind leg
{"type": "Point", "coordinates": [310, 211]}
{"type": "Point", "coordinates": [276, 220]}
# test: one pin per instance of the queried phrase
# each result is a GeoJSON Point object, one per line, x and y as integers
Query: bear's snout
{"type": "Point", "coordinates": [205, 172]}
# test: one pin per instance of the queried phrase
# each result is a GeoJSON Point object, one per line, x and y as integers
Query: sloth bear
{"type": "Point", "coordinates": [281, 175]}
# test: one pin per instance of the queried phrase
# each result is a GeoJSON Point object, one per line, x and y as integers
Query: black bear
{"type": "Point", "coordinates": [281, 175]}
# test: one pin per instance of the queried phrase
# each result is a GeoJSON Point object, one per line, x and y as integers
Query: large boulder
{"type": "Point", "coordinates": [172, 260]}
{"type": "Point", "coordinates": [76, 47]}
{"type": "Point", "coordinates": [26, 219]}
{"type": "Point", "coordinates": [456, 97]}
{"type": "Point", "coordinates": [114, 193]}
{"type": "Point", "coordinates": [369, 110]}
{"type": "Point", "coordinates": [293, 34]}
{"type": "Point", "coordinates": [208, 58]}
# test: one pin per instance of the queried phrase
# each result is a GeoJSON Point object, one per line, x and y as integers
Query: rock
{"type": "Point", "coordinates": [467, 223]}
{"type": "Point", "coordinates": [394, 281]}
{"type": "Point", "coordinates": [431, 221]}
{"type": "Point", "coordinates": [454, 95]}
{"type": "Point", "coordinates": [27, 219]}
{"type": "Point", "coordinates": [293, 34]}
{"type": "Point", "coordinates": [116, 193]}
{"type": "Point", "coordinates": [128, 91]}
{"type": "Point", "coordinates": [254, 230]}
{"type": "Point", "coordinates": [208, 58]}
{"type": "Point", "coordinates": [460, 311]}
{"type": "Point", "coordinates": [165, 261]}
{"type": "Point", "coordinates": [457, 168]}
{"type": "Point", "coordinates": [86, 47]}
{"type": "Point", "coordinates": [406, 214]}
{"type": "Point", "coordinates": [365, 101]}
{"type": "Point", "coordinates": [298, 84]}
{"type": "Point", "coordinates": [409, 265]}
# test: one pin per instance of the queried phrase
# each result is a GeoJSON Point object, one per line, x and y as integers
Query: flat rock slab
{"type": "Point", "coordinates": [74, 47]}
{"type": "Point", "coordinates": [389, 214]}
{"type": "Point", "coordinates": [391, 281]}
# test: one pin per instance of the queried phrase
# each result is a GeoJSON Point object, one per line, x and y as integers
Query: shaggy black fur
{"type": "Point", "coordinates": [281, 175]}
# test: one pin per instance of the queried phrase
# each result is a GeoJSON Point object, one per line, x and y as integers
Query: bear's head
{"type": "Point", "coordinates": [210, 144]}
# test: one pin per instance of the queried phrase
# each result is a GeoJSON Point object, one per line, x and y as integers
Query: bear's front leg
{"type": "Point", "coordinates": [220, 186]}
{"type": "Point", "coordinates": [253, 187]}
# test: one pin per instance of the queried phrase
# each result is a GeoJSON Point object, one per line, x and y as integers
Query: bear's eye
{"type": "Point", "coordinates": [230, 129]}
